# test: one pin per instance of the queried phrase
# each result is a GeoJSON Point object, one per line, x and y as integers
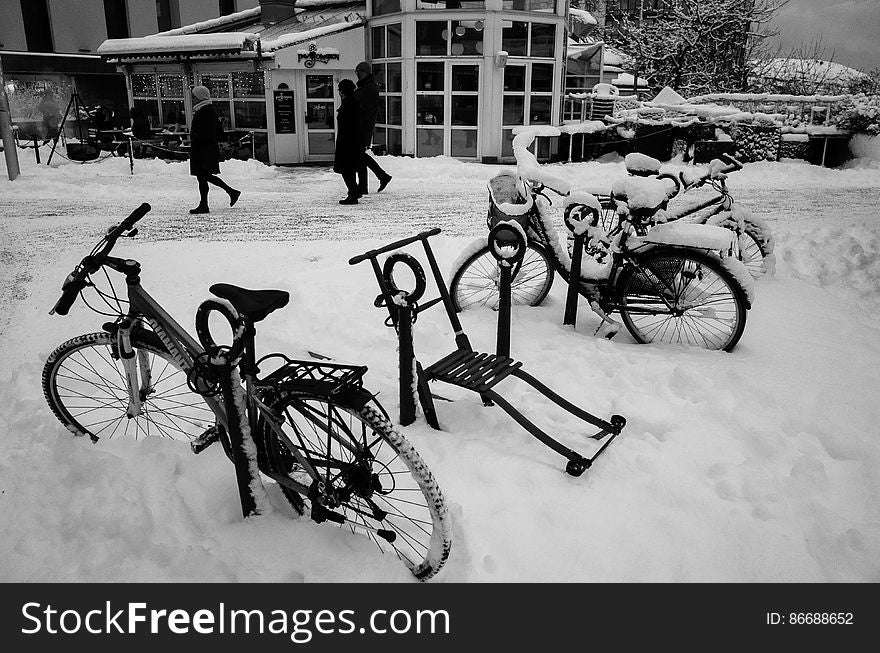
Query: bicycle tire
{"type": "Point", "coordinates": [756, 249]}
{"type": "Point", "coordinates": [475, 282]}
{"type": "Point", "coordinates": [83, 385]}
{"type": "Point", "coordinates": [715, 317]}
{"type": "Point", "coordinates": [351, 441]}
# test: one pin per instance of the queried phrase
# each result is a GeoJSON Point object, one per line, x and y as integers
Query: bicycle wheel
{"type": "Point", "coordinates": [682, 297]}
{"type": "Point", "coordinates": [476, 282]}
{"type": "Point", "coordinates": [755, 246]}
{"type": "Point", "coordinates": [374, 482]}
{"type": "Point", "coordinates": [83, 382]}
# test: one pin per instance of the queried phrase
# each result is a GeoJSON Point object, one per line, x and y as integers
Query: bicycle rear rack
{"type": "Point", "coordinates": [475, 371]}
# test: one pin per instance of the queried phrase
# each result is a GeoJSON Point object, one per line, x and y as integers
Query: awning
{"type": "Point", "coordinates": [37, 63]}
{"type": "Point", "coordinates": [184, 45]}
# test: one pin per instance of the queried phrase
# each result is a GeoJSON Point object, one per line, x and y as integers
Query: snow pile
{"type": "Point", "coordinates": [757, 466]}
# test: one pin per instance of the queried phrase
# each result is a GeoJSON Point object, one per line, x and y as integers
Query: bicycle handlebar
{"type": "Point", "coordinates": [733, 165]}
{"type": "Point", "coordinates": [392, 246]}
{"type": "Point", "coordinates": [78, 279]}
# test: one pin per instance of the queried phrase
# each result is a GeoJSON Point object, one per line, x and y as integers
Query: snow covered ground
{"type": "Point", "coordinates": [759, 465]}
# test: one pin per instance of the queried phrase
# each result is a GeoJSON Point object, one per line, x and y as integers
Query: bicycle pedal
{"type": "Point", "coordinates": [608, 330]}
{"type": "Point", "coordinates": [205, 440]}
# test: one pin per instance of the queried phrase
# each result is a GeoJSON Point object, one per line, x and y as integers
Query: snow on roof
{"type": "Point", "coordinates": [298, 37]}
{"type": "Point", "coordinates": [213, 23]}
{"type": "Point", "coordinates": [582, 50]}
{"type": "Point", "coordinates": [167, 45]}
{"type": "Point", "coordinates": [582, 16]}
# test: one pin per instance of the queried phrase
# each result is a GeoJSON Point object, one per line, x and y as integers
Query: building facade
{"type": "Point", "coordinates": [455, 76]}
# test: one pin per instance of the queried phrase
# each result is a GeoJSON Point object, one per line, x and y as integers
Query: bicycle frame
{"type": "Point", "coordinates": [184, 349]}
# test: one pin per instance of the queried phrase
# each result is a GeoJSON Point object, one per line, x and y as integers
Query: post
{"type": "Point", "coordinates": [571, 299]}
{"type": "Point", "coordinates": [9, 149]}
{"type": "Point", "coordinates": [406, 359]}
{"type": "Point", "coordinates": [502, 347]}
{"type": "Point", "coordinates": [37, 149]}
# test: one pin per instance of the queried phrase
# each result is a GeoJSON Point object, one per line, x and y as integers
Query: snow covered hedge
{"type": "Point", "coordinates": [859, 114]}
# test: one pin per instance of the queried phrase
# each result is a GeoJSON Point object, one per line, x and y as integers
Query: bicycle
{"type": "Point", "coordinates": [754, 237]}
{"type": "Point", "coordinates": [311, 427]}
{"type": "Point", "coordinates": [669, 284]}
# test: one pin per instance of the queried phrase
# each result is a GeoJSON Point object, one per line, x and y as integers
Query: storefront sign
{"type": "Point", "coordinates": [317, 55]}
{"type": "Point", "coordinates": [285, 121]}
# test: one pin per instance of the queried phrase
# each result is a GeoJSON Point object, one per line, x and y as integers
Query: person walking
{"type": "Point", "coordinates": [367, 95]}
{"type": "Point", "coordinates": [204, 157]}
{"type": "Point", "coordinates": [349, 140]}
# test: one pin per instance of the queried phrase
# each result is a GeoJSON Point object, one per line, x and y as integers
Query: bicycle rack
{"type": "Point", "coordinates": [464, 367]}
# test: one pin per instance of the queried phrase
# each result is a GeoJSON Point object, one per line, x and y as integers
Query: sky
{"type": "Point", "coordinates": [849, 31]}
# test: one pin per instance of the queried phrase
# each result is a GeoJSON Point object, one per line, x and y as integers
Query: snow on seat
{"type": "Point", "coordinates": [641, 165]}
{"type": "Point", "coordinates": [641, 193]}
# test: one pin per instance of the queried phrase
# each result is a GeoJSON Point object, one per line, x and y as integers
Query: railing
{"type": "Point", "coordinates": [812, 109]}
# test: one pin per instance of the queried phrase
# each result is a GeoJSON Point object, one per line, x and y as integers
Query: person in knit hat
{"type": "Point", "coordinates": [204, 158]}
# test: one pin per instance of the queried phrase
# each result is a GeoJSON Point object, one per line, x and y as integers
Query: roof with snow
{"type": "Point", "coordinates": [814, 70]}
{"type": "Point", "coordinates": [241, 33]}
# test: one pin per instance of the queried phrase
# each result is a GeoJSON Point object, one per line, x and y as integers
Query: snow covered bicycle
{"type": "Point", "coordinates": [754, 237]}
{"type": "Point", "coordinates": [311, 427]}
{"type": "Point", "coordinates": [672, 283]}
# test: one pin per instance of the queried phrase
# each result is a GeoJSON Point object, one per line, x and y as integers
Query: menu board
{"type": "Point", "coordinates": [285, 120]}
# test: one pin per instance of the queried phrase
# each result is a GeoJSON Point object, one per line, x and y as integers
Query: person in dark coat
{"type": "Point", "coordinates": [140, 124]}
{"type": "Point", "coordinates": [204, 157]}
{"type": "Point", "coordinates": [349, 143]}
{"type": "Point", "coordinates": [367, 95]}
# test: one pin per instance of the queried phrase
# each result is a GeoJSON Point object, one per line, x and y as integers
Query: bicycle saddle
{"type": "Point", "coordinates": [253, 304]}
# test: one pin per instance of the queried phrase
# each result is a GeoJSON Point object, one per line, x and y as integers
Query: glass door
{"type": "Point", "coordinates": [447, 108]}
{"type": "Point", "coordinates": [320, 117]}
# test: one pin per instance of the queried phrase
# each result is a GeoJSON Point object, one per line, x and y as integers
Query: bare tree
{"type": "Point", "coordinates": [696, 46]}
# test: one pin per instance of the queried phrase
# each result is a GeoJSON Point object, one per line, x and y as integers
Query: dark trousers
{"type": "Point", "coordinates": [350, 179]}
{"type": "Point", "coordinates": [367, 161]}
{"type": "Point", "coordinates": [204, 180]}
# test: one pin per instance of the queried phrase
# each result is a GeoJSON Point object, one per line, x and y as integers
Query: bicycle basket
{"type": "Point", "coordinates": [508, 200]}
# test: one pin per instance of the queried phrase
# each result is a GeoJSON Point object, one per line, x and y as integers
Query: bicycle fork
{"type": "Point", "coordinates": [136, 367]}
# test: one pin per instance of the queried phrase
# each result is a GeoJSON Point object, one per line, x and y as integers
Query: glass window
{"type": "Point", "coordinates": [381, 116]}
{"type": "Point", "coordinates": [507, 143]}
{"type": "Point", "coordinates": [151, 109]}
{"type": "Point", "coordinates": [143, 85]}
{"type": "Point", "coordinates": [173, 112]}
{"type": "Point", "coordinates": [217, 84]}
{"type": "Point", "coordinates": [514, 110]}
{"type": "Point", "coordinates": [393, 41]}
{"type": "Point", "coordinates": [171, 86]}
{"type": "Point", "coordinates": [250, 115]}
{"type": "Point", "coordinates": [395, 111]}
{"type": "Point", "coordinates": [381, 7]}
{"type": "Point", "coordinates": [377, 35]}
{"type": "Point", "coordinates": [539, 110]}
{"type": "Point", "coordinates": [429, 110]}
{"type": "Point", "coordinates": [429, 76]}
{"type": "Point", "coordinates": [429, 142]}
{"type": "Point", "coordinates": [450, 4]}
{"type": "Point", "coordinates": [515, 78]}
{"type": "Point", "coordinates": [395, 142]}
{"type": "Point", "coordinates": [321, 144]}
{"type": "Point", "coordinates": [248, 85]}
{"type": "Point", "coordinates": [465, 78]}
{"type": "Point", "coordinates": [515, 38]}
{"type": "Point", "coordinates": [463, 143]}
{"type": "Point", "coordinates": [319, 115]}
{"type": "Point", "coordinates": [543, 40]}
{"type": "Point", "coordinates": [319, 86]}
{"type": "Point", "coordinates": [379, 70]}
{"type": "Point", "coordinates": [395, 78]}
{"type": "Point", "coordinates": [431, 37]}
{"type": "Point", "coordinates": [529, 5]}
{"type": "Point", "coordinates": [542, 77]}
{"type": "Point", "coordinates": [466, 41]}
{"type": "Point", "coordinates": [464, 110]}
{"type": "Point", "coordinates": [224, 114]}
